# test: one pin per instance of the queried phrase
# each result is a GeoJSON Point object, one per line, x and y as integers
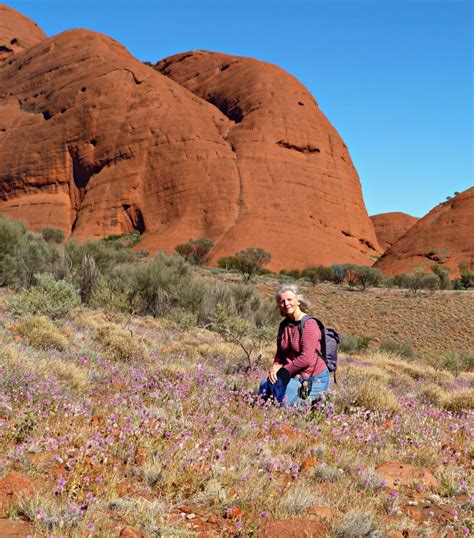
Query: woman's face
{"type": "Point", "coordinates": [288, 304]}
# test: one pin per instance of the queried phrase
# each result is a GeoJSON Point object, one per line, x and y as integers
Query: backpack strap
{"type": "Point", "coordinates": [322, 340]}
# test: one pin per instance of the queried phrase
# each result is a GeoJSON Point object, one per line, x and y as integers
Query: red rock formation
{"type": "Point", "coordinates": [444, 236]}
{"type": "Point", "coordinates": [300, 196]}
{"type": "Point", "coordinates": [95, 143]}
{"type": "Point", "coordinates": [17, 32]}
{"type": "Point", "coordinates": [389, 227]}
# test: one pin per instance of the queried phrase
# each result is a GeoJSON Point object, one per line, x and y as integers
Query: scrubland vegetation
{"type": "Point", "coordinates": [127, 398]}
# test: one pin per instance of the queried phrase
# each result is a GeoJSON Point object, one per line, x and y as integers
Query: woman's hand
{"type": "Point", "coordinates": [272, 374]}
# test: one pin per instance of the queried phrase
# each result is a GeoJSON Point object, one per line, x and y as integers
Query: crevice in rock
{"type": "Point", "coordinates": [136, 217]}
{"type": "Point", "coordinates": [228, 107]}
{"type": "Point", "coordinates": [3, 48]}
{"type": "Point", "coordinates": [347, 234]}
{"type": "Point", "coordinates": [367, 243]}
{"type": "Point", "coordinates": [302, 149]}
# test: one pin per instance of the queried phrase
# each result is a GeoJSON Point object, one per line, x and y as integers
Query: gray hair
{"type": "Point", "coordinates": [304, 303]}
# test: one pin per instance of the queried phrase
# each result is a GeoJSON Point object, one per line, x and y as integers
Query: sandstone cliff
{"type": "Point", "coordinates": [389, 227]}
{"type": "Point", "coordinates": [444, 236]}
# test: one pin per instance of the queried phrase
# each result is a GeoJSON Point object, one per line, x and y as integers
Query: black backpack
{"type": "Point", "coordinates": [329, 340]}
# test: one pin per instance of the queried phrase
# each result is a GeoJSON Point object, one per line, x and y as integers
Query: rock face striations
{"type": "Point", "coordinates": [389, 227]}
{"type": "Point", "coordinates": [443, 236]}
{"type": "Point", "coordinates": [94, 142]}
{"type": "Point", "coordinates": [299, 193]}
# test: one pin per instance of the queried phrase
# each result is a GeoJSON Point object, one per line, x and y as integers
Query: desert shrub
{"type": "Point", "coordinates": [106, 254]}
{"type": "Point", "coordinates": [357, 524]}
{"type": "Point", "coordinates": [40, 332]}
{"type": "Point", "coordinates": [62, 265]}
{"type": "Point", "coordinates": [466, 278]}
{"type": "Point", "coordinates": [392, 346]}
{"type": "Point", "coordinates": [164, 283]}
{"type": "Point", "coordinates": [12, 234]}
{"type": "Point", "coordinates": [325, 473]}
{"type": "Point", "coordinates": [351, 343]}
{"type": "Point", "coordinates": [109, 296]}
{"type": "Point", "coordinates": [401, 280]}
{"type": "Point", "coordinates": [462, 400]}
{"type": "Point", "coordinates": [250, 260]}
{"type": "Point", "coordinates": [339, 273]}
{"type": "Point", "coordinates": [297, 499]}
{"type": "Point", "coordinates": [443, 274]}
{"type": "Point", "coordinates": [227, 262]}
{"type": "Point", "coordinates": [49, 297]}
{"type": "Point", "coordinates": [432, 394]}
{"type": "Point", "coordinates": [421, 281]}
{"type": "Point", "coordinates": [195, 251]}
{"type": "Point", "coordinates": [292, 274]}
{"type": "Point", "coordinates": [318, 273]}
{"type": "Point", "coordinates": [120, 344]}
{"type": "Point", "coordinates": [88, 278]}
{"type": "Point", "coordinates": [52, 235]}
{"type": "Point", "coordinates": [363, 277]}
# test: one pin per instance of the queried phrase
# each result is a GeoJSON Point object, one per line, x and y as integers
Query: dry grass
{"type": "Point", "coordinates": [41, 333]}
{"type": "Point", "coordinates": [459, 401]}
{"type": "Point", "coordinates": [137, 436]}
{"type": "Point", "coordinates": [120, 344]}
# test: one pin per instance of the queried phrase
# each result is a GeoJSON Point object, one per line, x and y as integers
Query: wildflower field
{"type": "Point", "coordinates": [114, 425]}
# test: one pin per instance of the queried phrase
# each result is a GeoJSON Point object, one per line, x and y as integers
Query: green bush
{"type": "Point", "coordinates": [318, 273]}
{"type": "Point", "coordinates": [293, 274]}
{"type": "Point", "coordinates": [351, 343]}
{"type": "Point", "coordinates": [363, 277]}
{"type": "Point", "coordinates": [421, 281]}
{"type": "Point", "coordinates": [164, 283]}
{"type": "Point", "coordinates": [52, 235]}
{"type": "Point", "coordinates": [195, 251]}
{"type": "Point", "coordinates": [339, 273]}
{"type": "Point", "coordinates": [49, 297]}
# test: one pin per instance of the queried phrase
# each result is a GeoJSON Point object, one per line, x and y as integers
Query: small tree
{"type": "Point", "coordinates": [443, 274]}
{"type": "Point", "coordinates": [421, 281]}
{"type": "Point", "coordinates": [366, 277]}
{"type": "Point", "coordinates": [250, 260]}
{"type": "Point", "coordinates": [195, 251]}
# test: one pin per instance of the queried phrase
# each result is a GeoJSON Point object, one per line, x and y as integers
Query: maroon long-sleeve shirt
{"type": "Point", "coordinates": [305, 359]}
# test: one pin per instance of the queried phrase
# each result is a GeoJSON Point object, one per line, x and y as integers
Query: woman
{"type": "Point", "coordinates": [295, 360]}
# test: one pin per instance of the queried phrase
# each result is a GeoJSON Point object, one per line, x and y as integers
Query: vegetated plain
{"type": "Point", "coordinates": [433, 324]}
{"type": "Point", "coordinates": [110, 421]}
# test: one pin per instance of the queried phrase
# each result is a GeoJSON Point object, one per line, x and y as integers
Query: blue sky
{"type": "Point", "coordinates": [393, 77]}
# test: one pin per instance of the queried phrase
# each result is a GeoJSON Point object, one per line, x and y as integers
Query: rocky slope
{"type": "Point", "coordinates": [389, 227]}
{"type": "Point", "coordinates": [94, 142]}
{"type": "Point", "coordinates": [444, 236]}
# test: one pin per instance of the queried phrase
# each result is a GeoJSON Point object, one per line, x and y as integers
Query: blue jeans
{"type": "Point", "coordinates": [320, 384]}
